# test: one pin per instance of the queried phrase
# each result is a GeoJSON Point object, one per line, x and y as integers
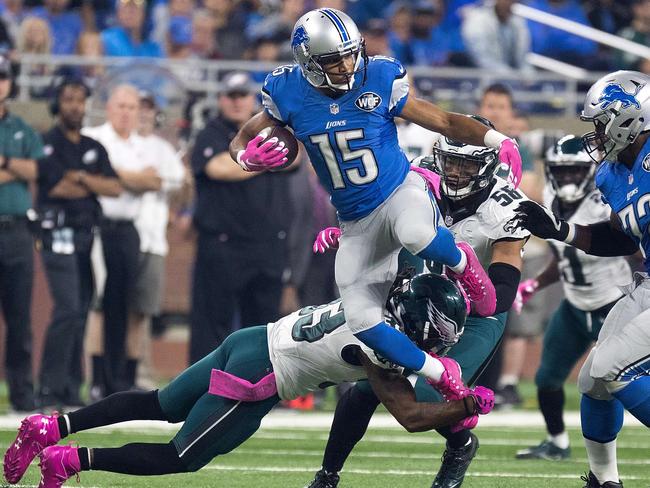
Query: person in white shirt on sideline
{"type": "Point", "coordinates": [151, 224]}
{"type": "Point", "coordinates": [120, 240]}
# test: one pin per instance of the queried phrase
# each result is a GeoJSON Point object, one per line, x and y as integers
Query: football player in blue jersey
{"type": "Point", "coordinates": [616, 375]}
{"type": "Point", "coordinates": [341, 105]}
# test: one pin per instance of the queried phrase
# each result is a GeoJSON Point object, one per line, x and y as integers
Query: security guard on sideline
{"type": "Point", "coordinates": [74, 171]}
{"type": "Point", "coordinates": [20, 146]}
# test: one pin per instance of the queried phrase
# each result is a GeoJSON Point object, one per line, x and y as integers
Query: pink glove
{"type": "Point", "coordinates": [260, 157]}
{"type": "Point", "coordinates": [327, 238]}
{"type": "Point", "coordinates": [509, 155]}
{"type": "Point", "coordinates": [432, 179]}
{"type": "Point", "coordinates": [525, 292]}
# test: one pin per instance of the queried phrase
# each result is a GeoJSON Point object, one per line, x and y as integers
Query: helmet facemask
{"type": "Point", "coordinates": [358, 51]}
{"type": "Point", "coordinates": [569, 169]}
{"type": "Point", "coordinates": [463, 174]}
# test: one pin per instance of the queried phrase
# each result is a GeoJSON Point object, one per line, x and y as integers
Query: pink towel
{"type": "Point", "coordinates": [229, 386]}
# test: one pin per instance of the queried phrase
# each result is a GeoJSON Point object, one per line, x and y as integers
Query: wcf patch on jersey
{"type": "Point", "coordinates": [646, 163]}
{"type": "Point", "coordinates": [368, 101]}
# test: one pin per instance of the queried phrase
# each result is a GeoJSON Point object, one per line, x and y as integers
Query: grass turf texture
{"type": "Point", "coordinates": [386, 458]}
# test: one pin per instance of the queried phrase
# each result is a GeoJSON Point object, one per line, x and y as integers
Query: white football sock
{"type": "Point", "coordinates": [432, 368]}
{"type": "Point", "coordinates": [460, 267]}
{"type": "Point", "coordinates": [561, 440]}
{"type": "Point", "coordinates": [508, 379]}
{"type": "Point", "coordinates": [602, 460]}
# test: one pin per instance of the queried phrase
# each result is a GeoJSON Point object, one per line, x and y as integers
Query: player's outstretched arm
{"type": "Point", "coordinates": [398, 396]}
{"type": "Point", "coordinates": [464, 129]}
{"type": "Point", "coordinates": [601, 239]}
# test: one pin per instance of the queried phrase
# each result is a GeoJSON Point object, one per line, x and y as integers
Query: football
{"type": "Point", "coordinates": [289, 140]}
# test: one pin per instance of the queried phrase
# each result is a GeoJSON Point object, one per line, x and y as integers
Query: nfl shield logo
{"type": "Point", "coordinates": [334, 108]}
{"type": "Point", "coordinates": [449, 220]}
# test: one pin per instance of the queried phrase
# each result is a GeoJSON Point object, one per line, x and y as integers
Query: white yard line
{"type": "Point", "coordinates": [297, 420]}
{"type": "Point", "coordinates": [399, 472]}
{"type": "Point", "coordinates": [388, 455]}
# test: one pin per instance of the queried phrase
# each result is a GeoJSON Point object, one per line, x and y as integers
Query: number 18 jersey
{"type": "Point", "coordinates": [309, 348]}
{"type": "Point", "coordinates": [351, 139]}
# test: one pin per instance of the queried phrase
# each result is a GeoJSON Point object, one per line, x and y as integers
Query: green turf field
{"type": "Point", "coordinates": [285, 458]}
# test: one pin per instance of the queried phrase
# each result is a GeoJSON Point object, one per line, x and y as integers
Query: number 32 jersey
{"type": "Point", "coordinates": [351, 139]}
{"type": "Point", "coordinates": [589, 282]}
{"type": "Point", "coordinates": [313, 348]}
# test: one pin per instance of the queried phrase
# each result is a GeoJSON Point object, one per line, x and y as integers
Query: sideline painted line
{"type": "Point", "coordinates": [398, 472]}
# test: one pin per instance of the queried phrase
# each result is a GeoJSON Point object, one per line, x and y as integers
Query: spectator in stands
{"type": "Point", "coordinates": [399, 35]}
{"type": "Point", "coordinates": [203, 36]}
{"type": "Point", "coordinates": [74, 171]}
{"type": "Point", "coordinates": [429, 43]}
{"type": "Point", "coordinates": [376, 35]}
{"type": "Point", "coordinates": [65, 25]}
{"type": "Point", "coordinates": [34, 38]}
{"type": "Point", "coordinates": [151, 223]}
{"type": "Point", "coordinates": [21, 147]}
{"type": "Point", "coordinates": [637, 31]}
{"type": "Point", "coordinates": [241, 260]}
{"type": "Point", "coordinates": [13, 14]}
{"type": "Point", "coordinates": [280, 22]}
{"type": "Point", "coordinates": [162, 14]}
{"type": "Point", "coordinates": [229, 23]}
{"type": "Point", "coordinates": [90, 45]}
{"type": "Point", "coordinates": [495, 38]}
{"type": "Point", "coordinates": [608, 15]}
{"type": "Point", "coordinates": [128, 37]}
{"type": "Point", "coordinates": [179, 38]}
{"type": "Point", "coordinates": [559, 44]}
{"type": "Point", "coordinates": [120, 239]}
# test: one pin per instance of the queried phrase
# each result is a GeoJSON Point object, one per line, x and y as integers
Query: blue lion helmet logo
{"type": "Point", "coordinates": [299, 37]}
{"type": "Point", "coordinates": [614, 92]}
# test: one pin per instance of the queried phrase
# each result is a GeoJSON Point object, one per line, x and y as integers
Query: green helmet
{"type": "Point", "coordinates": [430, 309]}
{"type": "Point", "coordinates": [569, 169]}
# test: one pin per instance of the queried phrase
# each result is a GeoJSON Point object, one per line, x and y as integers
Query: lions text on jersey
{"type": "Point", "coordinates": [589, 282]}
{"type": "Point", "coordinates": [627, 191]}
{"type": "Point", "coordinates": [351, 139]}
{"type": "Point", "coordinates": [312, 349]}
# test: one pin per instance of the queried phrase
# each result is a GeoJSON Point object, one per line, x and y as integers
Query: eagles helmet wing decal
{"type": "Point", "coordinates": [449, 329]}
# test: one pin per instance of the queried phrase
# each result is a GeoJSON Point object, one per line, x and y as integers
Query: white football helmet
{"type": "Point", "coordinates": [464, 169]}
{"type": "Point", "coordinates": [569, 169]}
{"type": "Point", "coordinates": [324, 36]}
{"type": "Point", "coordinates": [618, 105]}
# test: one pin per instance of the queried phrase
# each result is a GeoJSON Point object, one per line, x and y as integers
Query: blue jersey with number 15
{"type": "Point", "coordinates": [351, 139]}
{"type": "Point", "coordinates": [627, 191]}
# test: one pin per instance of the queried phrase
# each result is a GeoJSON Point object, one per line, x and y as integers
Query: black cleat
{"type": "Point", "coordinates": [507, 397]}
{"type": "Point", "coordinates": [592, 482]}
{"type": "Point", "coordinates": [454, 465]}
{"type": "Point", "coordinates": [323, 479]}
{"type": "Point", "coordinates": [546, 450]}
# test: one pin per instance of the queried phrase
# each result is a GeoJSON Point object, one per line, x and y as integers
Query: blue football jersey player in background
{"type": "Point", "coordinates": [616, 375]}
{"type": "Point", "coordinates": [341, 105]}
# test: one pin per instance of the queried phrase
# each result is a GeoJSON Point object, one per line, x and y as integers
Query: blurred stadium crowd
{"type": "Point", "coordinates": [247, 270]}
{"type": "Point", "coordinates": [418, 32]}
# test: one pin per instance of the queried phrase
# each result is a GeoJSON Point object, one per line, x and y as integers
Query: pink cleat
{"type": "Point", "coordinates": [475, 282]}
{"type": "Point", "coordinates": [450, 385]}
{"type": "Point", "coordinates": [36, 432]}
{"type": "Point", "coordinates": [483, 404]}
{"type": "Point", "coordinates": [58, 463]}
